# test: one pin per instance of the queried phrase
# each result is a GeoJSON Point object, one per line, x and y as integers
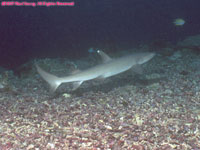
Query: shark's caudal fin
{"type": "Point", "coordinates": [53, 80]}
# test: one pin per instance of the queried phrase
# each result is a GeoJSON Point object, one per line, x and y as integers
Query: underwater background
{"type": "Point", "coordinates": [29, 32]}
{"type": "Point", "coordinates": [158, 109]}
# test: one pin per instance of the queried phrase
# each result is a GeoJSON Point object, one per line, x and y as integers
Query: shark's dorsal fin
{"type": "Point", "coordinates": [104, 56]}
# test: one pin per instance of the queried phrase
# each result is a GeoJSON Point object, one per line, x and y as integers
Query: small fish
{"type": "Point", "coordinates": [91, 50]}
{"type": "Point", "coordinates": [179, 22]}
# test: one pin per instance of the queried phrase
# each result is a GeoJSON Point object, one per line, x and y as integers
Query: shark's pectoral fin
{"type": "Point", "coordinates": [76, 85]}
{"type": "Point", "coordinates": [137, 69]}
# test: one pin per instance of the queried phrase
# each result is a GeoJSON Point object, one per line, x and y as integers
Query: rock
{"type": "Point", "coordinates": [190, 41]}
{"type": "Point", "coordinates": [176, 55]}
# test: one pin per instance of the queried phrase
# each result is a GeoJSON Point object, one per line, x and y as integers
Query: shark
{"type": "Point", "coordinates": [109, 67]}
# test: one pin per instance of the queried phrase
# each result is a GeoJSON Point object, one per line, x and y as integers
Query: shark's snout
{"type": "Point", "coordinates": [151, 55]}
{"type": "Point", "coordinates": [145, 57]}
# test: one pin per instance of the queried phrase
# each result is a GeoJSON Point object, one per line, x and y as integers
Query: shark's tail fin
{"type": "Point", "coordinates": [53, 80]}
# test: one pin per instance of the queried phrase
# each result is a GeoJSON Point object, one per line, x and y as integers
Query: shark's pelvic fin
{"type": "Point", "coordinates": [104, 56]}
{"type": "Point", "coordinates": [53, 80]}
{"type": "Point", "coordinates": [76, 85]}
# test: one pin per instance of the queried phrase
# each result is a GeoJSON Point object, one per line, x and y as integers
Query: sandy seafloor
{"type": "Point", "coordinates": [158, 110]}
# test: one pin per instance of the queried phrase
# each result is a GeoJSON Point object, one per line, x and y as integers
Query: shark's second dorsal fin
{"type": "Point", "coordinates": [104, 56]}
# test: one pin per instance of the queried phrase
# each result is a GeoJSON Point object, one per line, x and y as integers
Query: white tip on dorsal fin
{"type": "Point", "coordinates": [104, 56]}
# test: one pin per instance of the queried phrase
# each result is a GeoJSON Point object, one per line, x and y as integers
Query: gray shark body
{"type": "Point", "coordinates": [108, 68]}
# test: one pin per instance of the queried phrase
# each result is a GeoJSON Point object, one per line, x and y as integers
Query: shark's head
{"type": "Point", "coordinates": [144, 57]}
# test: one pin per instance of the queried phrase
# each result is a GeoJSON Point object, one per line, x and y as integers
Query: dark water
{"type": "Point", "coordinates": [27, 32]}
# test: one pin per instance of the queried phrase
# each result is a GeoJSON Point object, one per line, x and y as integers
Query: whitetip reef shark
{"type": "Point", "coordinates": [109, 67]}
